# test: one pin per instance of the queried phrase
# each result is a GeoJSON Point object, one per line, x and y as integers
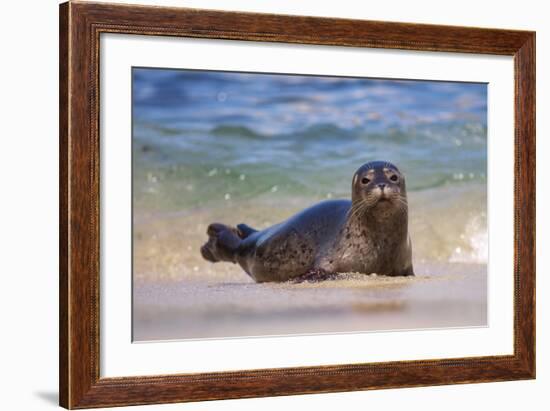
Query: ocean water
{"type": "Point", "coordinates": [257, 147]}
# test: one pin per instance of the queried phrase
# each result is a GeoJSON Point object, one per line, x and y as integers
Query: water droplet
{"type": "Point", "coordinates": [242, 177]}
{"type": "Point", "coordinates": [213, 172]}
{"type": "Point", "coordinates": [227, 196]}
{"type": "Point", "coordinates": [274, 189]}
{"type": "Point", "coordinates": [329, 195]}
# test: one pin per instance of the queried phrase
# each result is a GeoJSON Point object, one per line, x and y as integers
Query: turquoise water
{"type": "Point", "coordinates": [208, 139]}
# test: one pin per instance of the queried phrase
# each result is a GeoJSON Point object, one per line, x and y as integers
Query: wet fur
{"type": "Point", "coordinates": [368, 234]}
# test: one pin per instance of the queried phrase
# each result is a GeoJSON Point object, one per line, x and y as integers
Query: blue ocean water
{"type": "Point", "coordinates": [226, 141]}
{"type": "Point", "coordinates": [297, 135]}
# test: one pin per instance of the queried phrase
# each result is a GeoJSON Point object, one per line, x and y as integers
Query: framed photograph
{"type": "Point", "coordinates": [260, 205]}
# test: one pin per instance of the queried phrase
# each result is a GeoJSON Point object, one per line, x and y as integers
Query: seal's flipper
{"type": "Point", "coordinates": [222, 243]}
{"type": "Point", "coordinates": [245, 230]}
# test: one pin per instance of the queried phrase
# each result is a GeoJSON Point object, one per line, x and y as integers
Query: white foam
{"type": "Point", "coordinates": [476, 236]}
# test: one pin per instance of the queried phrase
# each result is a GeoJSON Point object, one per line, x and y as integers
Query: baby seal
{"type": "Point", "coordinates": [368, 234]}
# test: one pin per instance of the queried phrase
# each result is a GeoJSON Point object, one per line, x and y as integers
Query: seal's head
{"type": "Point", "coordinates": [379, 185]}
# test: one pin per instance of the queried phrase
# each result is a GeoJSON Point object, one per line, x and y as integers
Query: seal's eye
{"type": "Point", "coordinates": [365, 180]}
{"type": "Point", "coordinates": [393, 178]}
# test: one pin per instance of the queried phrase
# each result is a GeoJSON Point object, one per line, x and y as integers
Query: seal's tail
{"type": "Point", "coordinates": [222, 243]}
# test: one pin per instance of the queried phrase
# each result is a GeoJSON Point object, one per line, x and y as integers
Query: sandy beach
{"type": "Point", "coordinates": [238, 307]}
{"type": "Point", "coordinates": [178, 295]}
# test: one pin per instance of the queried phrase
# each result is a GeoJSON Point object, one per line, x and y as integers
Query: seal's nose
{"type": "Point", "coordinates": [381, 186]}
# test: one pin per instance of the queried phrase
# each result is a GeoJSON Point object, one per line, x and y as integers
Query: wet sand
{"type": "Point", "coordinates": [354, 302]}
{"type": "Point", "coordinates": [178, 295]}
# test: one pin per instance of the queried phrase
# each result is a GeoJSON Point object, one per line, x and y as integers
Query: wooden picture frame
{"type": "Point", "coordinates": [80, 27]}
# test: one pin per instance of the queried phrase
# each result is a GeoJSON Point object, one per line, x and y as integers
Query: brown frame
{"type": "Point", "coordinates": [81, 24]}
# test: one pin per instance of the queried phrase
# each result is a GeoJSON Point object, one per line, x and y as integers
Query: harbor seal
{"type": "Point", "coordinates": [368, 234]}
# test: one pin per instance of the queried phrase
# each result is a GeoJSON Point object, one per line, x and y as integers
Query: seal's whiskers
{"type": "Point", "coordinates": [361, 208]}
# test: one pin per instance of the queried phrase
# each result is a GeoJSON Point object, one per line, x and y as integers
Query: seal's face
{"type": "Point", "coordinates": [379, 184]}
